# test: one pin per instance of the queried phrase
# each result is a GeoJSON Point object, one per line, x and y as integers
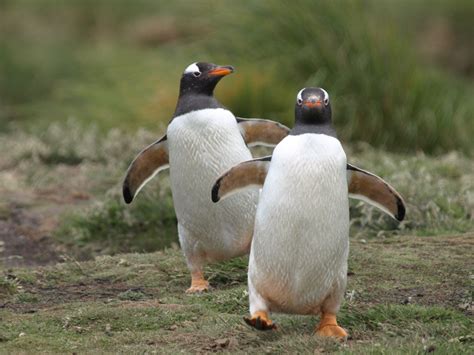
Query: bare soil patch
{"type": "Point", "coordinates": [27, 221]}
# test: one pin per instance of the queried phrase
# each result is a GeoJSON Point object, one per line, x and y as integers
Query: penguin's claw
{"type": "Point", "coordinates": [198, 286]}
{"type": "Point", "coordinates": [197, 289]}
{"type": "Point", "coordinates": [260, 321]}
{"type": "Point", "coordinates": [334, 331]}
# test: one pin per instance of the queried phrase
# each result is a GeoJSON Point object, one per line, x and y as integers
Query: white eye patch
{"type": "Point", "coordinates": [299, 96]}
{"type": "Point", "coordinates": [326, 95]}
{"type": "Point", "coordinates": [192, 69]}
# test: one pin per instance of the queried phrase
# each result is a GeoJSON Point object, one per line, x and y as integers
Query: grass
{"type": "Point", "coordinates": [110, 227]}
{"type": "Point", "coordinates": [410, 294]}
{"type": "Point", "coordinates": [136, 303]}
{"type": "Point", "coordinates": [8, 287]}
{"type": "Point", "coordinates": [118, 64]}
{"type": "Point", "coordinates": [78, 79]}
{"type": "Point", "coordinates": [67, 159]}
{"type": "Point", "coordinates": [382, 93]}
{"type": "Point", "coordinates": [437, 190]}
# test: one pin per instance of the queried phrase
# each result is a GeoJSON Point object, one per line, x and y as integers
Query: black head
{"type": "Point", "coordinates": [201, 78]}
{"type": "Point", "coordinates": [312, 107]}
{"type": "Point", "coordinates": [313, 113]}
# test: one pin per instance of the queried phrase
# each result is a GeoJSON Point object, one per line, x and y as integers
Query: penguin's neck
{"type": "Point", "coordinates": [186, 89]}
{"type": "Point", "coordinates": [316, 128]}
{"type": "Point", "coordinates": [191, 101]}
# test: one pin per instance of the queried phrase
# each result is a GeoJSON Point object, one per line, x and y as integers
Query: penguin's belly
{"type": "Point", "coordinates": [301, 239]}
{"type": "Point", "coordinates": [202, 145]}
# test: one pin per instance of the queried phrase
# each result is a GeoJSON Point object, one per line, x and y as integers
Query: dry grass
{"type": "Point", "coordinates": [86, 168]}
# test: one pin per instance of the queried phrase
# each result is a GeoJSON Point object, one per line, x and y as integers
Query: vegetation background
{"type": "Point", "coordinates": [84, 85]}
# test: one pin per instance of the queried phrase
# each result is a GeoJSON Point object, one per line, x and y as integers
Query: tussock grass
{"type": "Point", "coordinates": [118, 64]}
{"type": "Point", "coordinates": [381, 92]}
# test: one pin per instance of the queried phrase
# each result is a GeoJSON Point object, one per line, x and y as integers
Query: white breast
{"type": "Point", "coordinates": [202, 145]}
{"type": "Point", "coordinates": [300, 243]}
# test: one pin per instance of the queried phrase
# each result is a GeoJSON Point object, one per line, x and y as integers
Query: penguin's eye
{"type": "Point", "coordinates": [299, 101]}
{"type": "Point", "coordinates": [197, 74]}
{"type": "Point", "coordinates": [326, 102]}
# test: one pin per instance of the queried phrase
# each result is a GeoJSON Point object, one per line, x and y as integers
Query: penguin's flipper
{"type": "Point", "coordinates": [245, 175]}
{"type": "Point", "coordinates": [149, 162]}
{"type": "Point", "coordinates": [257, 131]}
{"type": "Point", "coordinates": [372, 189]}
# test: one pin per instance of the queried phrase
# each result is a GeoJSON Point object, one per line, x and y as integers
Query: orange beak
{"type": "Point", "coordinates": [221, 71]}
{"type": "Point", "coordinates": [313, 101]}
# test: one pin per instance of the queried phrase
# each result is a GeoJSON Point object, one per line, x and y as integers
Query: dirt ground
{"type": "Point", "coordinates": [397, 298]}
{"type": "Point", "coordinates": [27, 221]}
{"type": "Point", "coordinates": [367, 260]}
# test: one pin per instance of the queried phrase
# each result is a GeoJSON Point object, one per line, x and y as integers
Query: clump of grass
{"type": "Point", "coordinates": [70, 143]}
{"type": "Point", "coordinates": [231, 272]}
{"type": "Point", "coordinates": [87, 64]}
{"type": "Point", "coordinates": [442, 31]}
{"type": "Point", "coordinates": [437, 193]}
{"type": "Point", "coordinates": [381, 92]}
{"type": "Point", "coordinates": [111, 227]}
{"type": "Point", "coordinates": [131, 295]}
{"type": "Point", "coordinates": [27, 297]}
{"type": "Point", "coordinates": [8, 287]}
{"type": "Point", "coordinates": [68, 156]}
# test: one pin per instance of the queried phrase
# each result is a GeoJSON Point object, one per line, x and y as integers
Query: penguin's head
{"type": "Point", "coordinates": [312, 106]}
{"type": "Point", "coordinates": [202, 78]}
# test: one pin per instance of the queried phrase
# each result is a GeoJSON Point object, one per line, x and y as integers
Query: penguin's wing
{"type": "Point", "coordinates": [245, 175]}
{"type": "Point", "coordinates": [372, 189]}
{"type": "Point", "coordinates": [149, 162]}
{"type": "Point", "coordinates": [257, 131]}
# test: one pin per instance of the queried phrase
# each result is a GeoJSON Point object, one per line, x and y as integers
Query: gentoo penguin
{"type": "Point", "coordinates": [203, 140]}
{"type": "Point", "coordinates": [300, 246]}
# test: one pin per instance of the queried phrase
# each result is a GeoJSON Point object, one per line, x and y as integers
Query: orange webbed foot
{"type": "Point", "coordinates": [198, 284]}
{"type": "Point", "coordinates": [260, 321]}
{"type": "Point", "coordinates": [328, 327]}
{"type": "Point", "coordinates": [197, 289]}
{"type": "Point", "coordinates": [334, 331]}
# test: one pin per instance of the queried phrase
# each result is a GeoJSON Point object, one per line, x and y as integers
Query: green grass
{"type": "Point", "coordinates": [136, 303]}
{"type": "Point", "coordinates": [79, 59]}
{"type": "Point", "coordinates": [8, 287]}
{"type": "Point", "coordinates": [68, 159]}
{"type": "Point", "coordinates": [110, 227]}
{"type": "Point", "coordinates": [117, 64]}
{"type": "Point", "coordinates": [381, 92]}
